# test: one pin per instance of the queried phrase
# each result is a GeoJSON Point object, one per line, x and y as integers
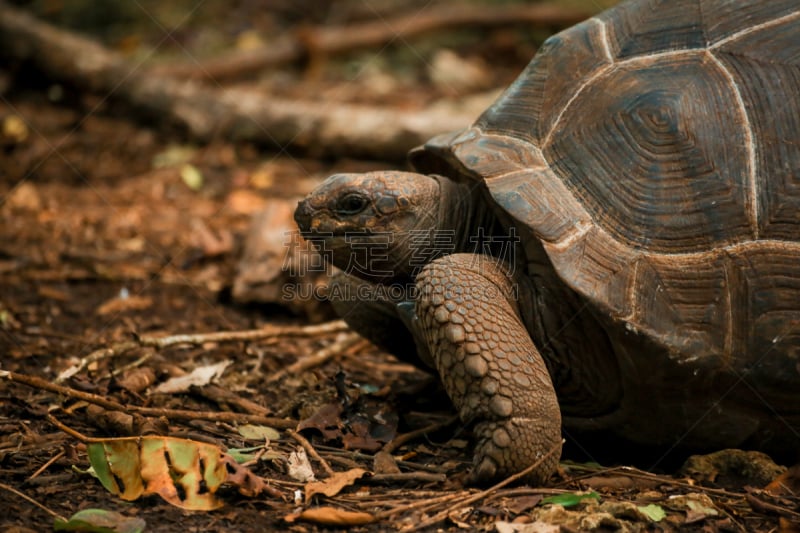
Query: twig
{"type": "Point", "coordinates": [400, 440]}
{"type": "Point", "coordinates": [71, 432]}
{"type": "Point", "coordinates": [45, 466]}
{"type": "Point", "coordinates": [264, 333]}
{"type": "Point", "coordinates": [311, 451]}
{"type": "Point", "coordinates": [760, 505]}
{"type": "Point", "coordinates": [488, 492]}
{"type": "Point", "coordinates": [641, 474]}
{"type": "Point", "coordinates": [133, 364]}
{"type": "Point", "coordinates": [225, 397]}
{"type": "Point", "coordinates": [427, 502]}
{"type": "Point", "coordinates": [320, 357]}
{"type": "Point", "coordinates": [425, 477]}
{"type": "Point", "coordinates": [31, 500]}
{"type": "Point", "coordinates": [174, 414]}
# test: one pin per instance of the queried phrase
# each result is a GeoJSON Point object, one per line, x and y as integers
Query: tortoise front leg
{"type": "Point", "coordinates": [489, 365]}
{"type": "Point", "coordinates": [377, 315]}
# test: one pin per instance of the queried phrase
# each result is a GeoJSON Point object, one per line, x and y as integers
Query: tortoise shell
{"type": "Point", "coordinates": [654, 152]}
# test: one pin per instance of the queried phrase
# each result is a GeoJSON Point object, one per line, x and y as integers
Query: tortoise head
{"type": "Point", "coordinates": [366, 224]}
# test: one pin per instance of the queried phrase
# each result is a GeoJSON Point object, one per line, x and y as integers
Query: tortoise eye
{"type": "Point", "coordinates": [351, 204]}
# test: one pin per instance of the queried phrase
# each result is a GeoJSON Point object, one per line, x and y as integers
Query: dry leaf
{"type": "Point", "coordinates": [384, 463]}
{"type": "Point", "coordinates": [212, 244]}
{"type": "Point", "coordinates": [197, 378]}
{"type": "Point", "coordinates": [787, 483]}
{"type": "Point", "coordinates": [299, 466]}
{"type": "Point", "coordinates": [245, 202]}
{"type": "Point", "coordinates": [137, 380]}
{"type": "Point", "coordinates": [331, 516]}
{"type": "Point", "coordinates": [532, 527]}
{"type": "Point", "coordinates": [184, 473]}
{"type": "Point", "coordinates": [24, 197]}
{"type": "Point", "coordinates": [334, 484]}
{"type": "Point", "coordinates": [326, 419]}
{"type": "Point", "coordinates": [120, 305]}
{"type": "Point", "coordinates": [244, 479]}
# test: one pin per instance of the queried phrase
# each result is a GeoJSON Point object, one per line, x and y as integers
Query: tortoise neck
{"type": "Point", "coordinates": [464, 216]}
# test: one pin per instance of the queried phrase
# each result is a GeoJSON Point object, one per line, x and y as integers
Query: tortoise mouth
{"type": "Point", "coordinates": [304, 216]}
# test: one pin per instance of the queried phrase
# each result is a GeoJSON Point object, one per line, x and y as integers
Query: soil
{"type": "Point", "coordinates": [107, 236]}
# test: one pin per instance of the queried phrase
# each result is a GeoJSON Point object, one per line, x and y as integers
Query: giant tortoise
{"type": "Point", "coordinates": [613, 245]}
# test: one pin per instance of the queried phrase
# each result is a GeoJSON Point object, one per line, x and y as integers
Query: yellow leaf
{"type": "Point", "coordinates": [185, 473]}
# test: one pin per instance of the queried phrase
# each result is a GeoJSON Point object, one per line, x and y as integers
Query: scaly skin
{"type": "Point", "coordinates": [464, 320]}
{"type": "Point", "coordinates": [488, 364]}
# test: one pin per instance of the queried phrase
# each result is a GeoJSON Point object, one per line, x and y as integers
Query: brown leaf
{"type": "Point", "coordinates": [788, 526]}
{"type": "Point", "coordinates": [326, 419]}
{"type": "Point", "coordinates": [523, 503]}
{"type": "Point", "coordinates": [786, 484]}
{"type": "Point", "coordinates": [619, 482]}
{"type": "Point", "coordinates": [212, 244]}
{"type": "Point", "coordinates": [334, 484]}
{"type": "Point", "coordinates": [137, 380]}
{"type": "Point", "coordinates": [331, 516]}
{"type": "Point", "coordinates": [384, 463]}
{"type": "Point", "coordinates": [245, 480]}
{"type": "Point", "coordinates": [24, 197]}
{"type": "Point", "coordinates": [120, 305]}
{"type": "Point", "coordinates": [243, 201]}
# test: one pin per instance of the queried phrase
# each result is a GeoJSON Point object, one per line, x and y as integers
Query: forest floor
{"type": "Point", "coordinates": [118, 230]}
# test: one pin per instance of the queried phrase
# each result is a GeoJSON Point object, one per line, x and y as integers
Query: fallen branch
{"type": "Point", "coordinates": [485, 493]}
{"type": "Point", "coordinates": [207, 113]}
{"type": "Point", "coordinates": [351, 341]}
{"type": "Point", "coordinates": [327, 41]}
{"type": "Point", "coordinates": [173, 414]}
{"type": "Point", "coordinates": [30, 500]}
{"type": "Point", "coordinates": [267, 332]}
{"type": "Point", "coordinates": [404, 477]}
{"type": "Point", "coordinates": [400, 440]}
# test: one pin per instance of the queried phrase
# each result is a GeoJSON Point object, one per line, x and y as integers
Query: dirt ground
{"type": "Point", "coordinates": [116, 228]}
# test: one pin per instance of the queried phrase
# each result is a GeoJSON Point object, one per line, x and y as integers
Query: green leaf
{"type": "Point", "coordinates": [654, 512]}
{"type": "Point", "coordinates": [245, 455]}
{"type": "Point", "coordinates": [100, 521]}
{"type": "Point", "coordinates": [192, 177]}
{"type": "Point", "coordinates": [570, 499]}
